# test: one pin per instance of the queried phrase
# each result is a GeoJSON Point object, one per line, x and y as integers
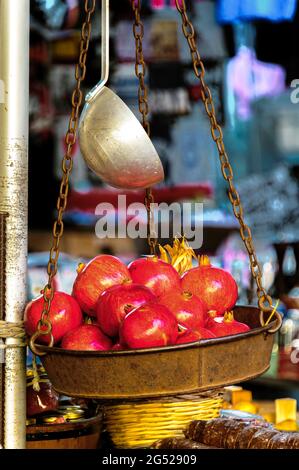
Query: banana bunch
{"type": "Point", "coordinates": [179, 255]}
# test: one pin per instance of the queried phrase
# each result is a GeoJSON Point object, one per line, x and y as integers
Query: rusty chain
{"type": "Point", "coordinates": [44, 326]}
{"type": "Point", "coordinates": [140, 72]}
{"type": "Point", "coordinates": [264, 300]}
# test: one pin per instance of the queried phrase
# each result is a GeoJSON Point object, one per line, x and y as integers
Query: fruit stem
{"type": "Point", "coordinates": [187, 295]}
{"type": "Point", "coordinates": [212, 313]}
{"type": "Point", "coordinates": [204, 260]}
{"type": "Point", "coordinates": [229, 317]}
{"type": "Point", "coordinates": [128, 308]}
{"type": "Point", "coordinates": [80, 267]}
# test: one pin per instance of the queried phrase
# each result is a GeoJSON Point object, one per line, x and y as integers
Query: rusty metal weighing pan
{"type": "Point", "coordinates": [155, 372]}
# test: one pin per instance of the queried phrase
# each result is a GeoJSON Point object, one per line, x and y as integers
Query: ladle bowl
{"type": "Point", "coordinates": [113, 143]}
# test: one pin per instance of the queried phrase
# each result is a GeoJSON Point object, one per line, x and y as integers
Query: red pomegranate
{"type": "Point", "coordinates": [214, 286]}
{"type": "Point", "coordinates": [45, 400]}
{"type": "Point", "coordinates": [86, 338]}
{"type": "Point", "coordinates": [101, 272]}
{"type": "Point", "coordinates": [189, 310]}
{"type": "Point", "coordinates": [190, 336]}
{"type": "Point", "coordinates": [150, 325]}
{"type": "Point", "coordinates": [226, 325]}
{"type": "Point", "coordinates": [114, 304]}
{"type": "Point", "coordinates": [160, 277]}
{"type": "Point", "coordinates": [65, 315]}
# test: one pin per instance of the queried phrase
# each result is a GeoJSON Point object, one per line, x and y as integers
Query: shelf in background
{"type": "Point", "coordinates": [87, 201]}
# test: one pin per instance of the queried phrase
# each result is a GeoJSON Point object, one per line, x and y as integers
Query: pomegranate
{"type": "Point", "coordinates": [65, 315]}
{"type": "Point", "coordinates": [86, 338]}
{"type": "Point", "coordinates": [214, 286]}
{"type": "Point", "coordinates": [226, 325]}
{"type": "Point", "coordinates": [190, 336]}
{"type": "Point", "coordinates": [160, 277]}
{"type": "Point", "coordinates": [150, 325]}
{"type": "Point", "coordinates": [101, 272]}
{"type": "Point", "coordinates": [114, 304]}
{"type": "Point", "coordinates": [47, 399]}
{"type": "Point", "coordinates": [188, 309]}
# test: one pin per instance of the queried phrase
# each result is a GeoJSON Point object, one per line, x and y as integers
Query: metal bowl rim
{"type": "Point", "coordinates": [160, 349]}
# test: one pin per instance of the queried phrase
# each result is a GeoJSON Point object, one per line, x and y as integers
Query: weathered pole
{"type": "Point", "coordinates": [14, 111]}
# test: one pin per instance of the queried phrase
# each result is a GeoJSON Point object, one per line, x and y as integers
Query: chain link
{"type": "Point", "coordinates": [151, 234]}
{"type": "Point", "coordinates": [264, 300]}
{"type": "Point", "coordinates": [44, 326]}
{"type": "Point", "coordinates": [140, 71]}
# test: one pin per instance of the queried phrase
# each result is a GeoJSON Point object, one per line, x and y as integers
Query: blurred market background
{"type": "Point", "coordinates": [251, 53]}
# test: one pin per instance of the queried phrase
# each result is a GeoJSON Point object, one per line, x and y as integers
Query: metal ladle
{"type": "Point", "coordinates": [113, 142]}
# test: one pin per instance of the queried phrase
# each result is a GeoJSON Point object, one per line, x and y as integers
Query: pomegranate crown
{"type": "Point", "coordinates": [204, 260]}
{"type": "Point", "coordinates": [179, 255]}
{"type": "Point", "coordinates": [80, 268]}
{"type": "Point", "coordinates": [229, 317]}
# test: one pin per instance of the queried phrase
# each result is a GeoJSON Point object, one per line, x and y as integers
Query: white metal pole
{"type": "Point", "coordinates": [14, 111]}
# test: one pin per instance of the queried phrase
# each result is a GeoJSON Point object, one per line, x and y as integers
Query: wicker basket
{"type": "Point", "coordinates": [140, 423]}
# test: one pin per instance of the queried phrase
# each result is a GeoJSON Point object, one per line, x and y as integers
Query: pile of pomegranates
{"type": "Point", "coordinates": [147, 304]}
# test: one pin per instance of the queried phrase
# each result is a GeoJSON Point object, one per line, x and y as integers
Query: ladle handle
{"type": "Point", "coordinates": [104, 53]}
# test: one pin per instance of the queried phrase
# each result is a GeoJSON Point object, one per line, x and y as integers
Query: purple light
{"type": "Point", "coordinates": [158, 4]}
